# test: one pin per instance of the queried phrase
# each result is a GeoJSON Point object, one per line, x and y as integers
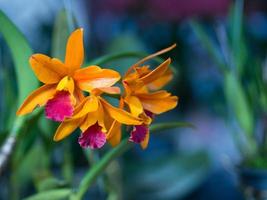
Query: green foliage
{"type": "Point", "coordinates": [21, 52]}
{"type": "Point", "coordinates": [60, 35]}
{"type": "Point", "coordinates": [238, 103]}
{"type": "Point", "coordinates": [59, 194]}
{"type": "Point", "coordinates": [179, 175]}
{"type": "Point", "coordinates": [210, 46]}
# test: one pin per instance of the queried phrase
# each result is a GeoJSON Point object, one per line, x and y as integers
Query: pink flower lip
{"type": "Point", "coordinates": [92, 138]}
{"type": "Point", "coordinates": [59, 107]}
{"type": "Point", "coordinates": [139, 133]}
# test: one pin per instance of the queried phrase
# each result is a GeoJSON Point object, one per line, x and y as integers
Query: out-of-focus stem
{"type": "Point", "coordinates": [95, 171]}
{"type": "Point", "coordinates": [9, 144]}
{"type": "Point", "coordinates": [124, 146]}
{"type": "Point", "coordinates": [117, 56]}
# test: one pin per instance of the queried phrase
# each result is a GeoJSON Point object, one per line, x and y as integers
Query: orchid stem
{"type": "Point", "coordinates": [9, 144]}
{"type": "Point", "coordinates": [116, 56]}
{"type": "Point", "coordinates": [91, 176]}
{"type": "Point", "coordinates": [124, 146]}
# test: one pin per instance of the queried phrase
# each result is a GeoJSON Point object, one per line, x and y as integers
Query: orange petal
{"type": "Point", "coordinates": [158, 102]}
{"type": "Point", "coordinates": [149, 57]}
{"type": "Point", "coordinates": [38, 97]}
{"type": "Point", "coordinates": [134, 104]}
{"type": "Point", "coordinates": [94, 77]}
{"type": "Point", "coordinates": [66, 128]}
{"type": "Point", "coordinates": [108, 90]}
{"type": "Point", "coordinates": [120, 115]}
{"type": "Point", "coordinates": [156, 73]}
{"type": "Point", "coordinates": [162, 81]}
{"type": "Point", "coordinates": [144, 143]}
{"type": "Point", "coordinates": [78, 94]}
{"type": "Point", "coordinates": [90, 104]}
{"type": "Point", "coordinates": [47, 70]}
{"type": "Point", "coordinates": [114, 133]}
{"type": "Point", "coordinates": [74, 50]}
{"type": "Point", "coordinates": [101, 117]}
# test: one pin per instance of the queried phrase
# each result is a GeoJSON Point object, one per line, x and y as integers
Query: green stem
{"type": "Point", "coordinates": [90, 177]}
{"type": "Point", "coordinates": [10, 142]}
{"type": "Point", "coordinates": [124, 146]}
{"type": "Point", "coordinates": [8, 146]}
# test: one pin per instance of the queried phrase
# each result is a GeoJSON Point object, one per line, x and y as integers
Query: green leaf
{"type": "Point", "coordinates": [60, 35]}
{"type": "Point", "coordinates": [179, 174]}
{"type": "Point", "coordinates": [238, 43]}
{"type": "Point", "coordinates": [58, 194]}
{"type": "Point", "coordinates": [21, 51]}
{"type": "Point", "coordinates": [100, 166]}
{"type": "Point", "coordinates": [169, 125]}
{"type": "Point", "coordinates": [238, 102]}
{"type": "Point", "coordinates": [209, 45]}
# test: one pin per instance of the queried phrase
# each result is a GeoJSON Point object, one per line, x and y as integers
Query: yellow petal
{"type": "Point", "coordinates": [66, 84]}
{"type": "Point", "coordinates": [120, 115]}
{"type": "Point", "coordinates": [90, 119]}
{"type": "Point", "coordinates": [66, 128]}
{"type": "Point", "coordinates": [158, 102]}
{"type": "Point", "coordinates": [94, 77]}
{"type": "Point", "coordinates": [74, 50]}
{"type": "Point", "coordinates": [144, 143]}
{"type": "Point", "coordinates": [38, 97]}
{"type": "Point", "coordinates": [101, 117]}
{"type": "Point", "coordinates": [134, 104]}
{"type": "Point", "coordinates": [89, 104]}
{"type": "Point", "coordinates": [114, 133]}
{"type": "Point", "coordinates": [47, 70]}
{"type": "Point", "coordinates": [156, 73]}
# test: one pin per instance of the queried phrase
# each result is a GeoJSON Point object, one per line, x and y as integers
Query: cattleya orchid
{"type": "Point", "coordinates": [94, 116]}
{"type": "Point", "coordinates": [64, 100]}
{"type": "Point", "coordinates": [141, 98]}
{"type": "Point", "coordinates": [64, 82]}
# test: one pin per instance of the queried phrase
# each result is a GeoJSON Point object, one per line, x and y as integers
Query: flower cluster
{"type": "Point", "coordinates": [65, 86]}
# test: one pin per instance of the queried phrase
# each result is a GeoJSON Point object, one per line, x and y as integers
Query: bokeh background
{"type": "Point", "coordinates": [183, 163]}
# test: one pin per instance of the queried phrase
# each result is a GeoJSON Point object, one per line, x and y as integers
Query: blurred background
{"type": "Point", "coordinates": [187, 164]}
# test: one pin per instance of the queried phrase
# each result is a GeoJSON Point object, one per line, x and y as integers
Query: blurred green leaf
{"type": "Point", "coordinates": [60, 35]}
{"type": "Point", "coordinates": [209, 45]}
{"type": "Point", "coordinates": [169, 125]}
{"type": "Point", "coordinates": [238, 102]}
{"type": "Point", "coordinates": [21, 52]}
{"type": "Point", "coordinates": [100, 166]}
{"type": "Point", "coordinates": [237, 37]}
{"type": "Point", "coordinates": [50, 183]}
{"type": "Point", "coordinates": [166, 177]}
{"type": "Point", "coordinates": [59, 194]}
{"type": "Point", "coordinates": [124, 55]}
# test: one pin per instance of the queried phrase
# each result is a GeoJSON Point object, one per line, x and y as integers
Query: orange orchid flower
{"type": "Point", "coordinates": [94, 116]}
{"type": "Point", "coordinates": [140, 97]}
{"type": "Point", "coordinates": [64, 82]}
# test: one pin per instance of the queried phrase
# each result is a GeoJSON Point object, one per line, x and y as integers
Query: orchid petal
{"type": "Point", "coordinates": [134, 104]}
{"type": "Point", "coordinates": [158, 102]}
{"type": "Point", "coordinates": [120, 115]}
{"type": "Point", "coordinates": [94, 77]}
{"type": "Point", "coordinates": [48, 70]}
{"type": "Point", "coordinates": [37, 98]}
{"type": "Point", "coordinates": [66, 128]}
{"type": "Point", "coordinates": [75, 50]}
